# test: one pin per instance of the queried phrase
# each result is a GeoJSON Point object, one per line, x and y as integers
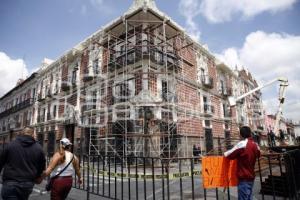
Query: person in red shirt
{"type": "Point", "coordinates": [246, 152]}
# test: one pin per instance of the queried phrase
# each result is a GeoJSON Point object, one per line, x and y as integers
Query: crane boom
{"type": "Point", "coordinates": [283, 84]}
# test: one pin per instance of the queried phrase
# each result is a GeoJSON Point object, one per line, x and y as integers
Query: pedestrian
{"type": "Point", "coordinates": [165, 161]}
{"type": "Point", "coordinates": [196, 153]}
{"type": "Point", "coordinates": [23, 162]}
{"type": "Point", "coordinates": [281, 135]}
{"type": "Point", "coordinates": [61, 168]}
{"type": "Point", "coordinates": [246, 153]}
{"type": "Point", "coordinates": [272, 137]}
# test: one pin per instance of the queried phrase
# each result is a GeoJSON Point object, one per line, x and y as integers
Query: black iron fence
{"type": "Point", "coordinates": [278, 177]}
{"type": "Point", "coordinates": [140, 177]}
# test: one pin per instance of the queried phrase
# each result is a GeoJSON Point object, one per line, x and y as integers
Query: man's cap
{"type": "Point", "coordinates": [65, 142]}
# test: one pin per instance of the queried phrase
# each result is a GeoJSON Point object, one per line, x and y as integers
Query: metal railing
{"type": "Point", "coordinates": [140, 177]}
{"type": "Point", "coordinates": [278, 177]}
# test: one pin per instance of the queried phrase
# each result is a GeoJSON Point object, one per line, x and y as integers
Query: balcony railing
{"type": "Point", "coordinates": [49, 93]}
{"type": "Point", "coordinates": [227, 113]}
{"type": "Point", "coordinates": [207, 81]}
{"type": "Point", "coordinates": [65, 87]}
{"type": "Point", "coordinates": [209, 109]}
{"type": "Point", "coordinates": [40, 97]}
{"type": "Point", "coordinates": [88, 74]}
{"type": "Point", "coordinates": [42, 118]}
{"type": "Point", "coordinates": [26, 122]}
{"type": "Point", "coordinates": [18, 124]}
{"type": "Point", "coordinates": [48, 116]}
{"type": "Point", "coordinates": [156, 55]}
{"type": "Point", "coordinates": [226, 91]}
{"type": "Point", "coordinates": [16, 108]}
{"type": "Point", "coordinates": [169, 97]}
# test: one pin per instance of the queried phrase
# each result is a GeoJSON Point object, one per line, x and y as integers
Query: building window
{"type": "Point", "coordinates": [74, 73]}
{"type": "Point", "coordinates": [43, 115]}
{"type": "Point", "coordinates": [207, 107]}
{"type": "Point", "coordinates": [164, 90]}
{"type": "Point", "coordinates": [130, 58]}
{"type": "Point", "coordinates": [202, 74]}
{"type": "Point", "coordinates": [54, 111]}
{"type": "Point", "coordinates": [122, 90]}
{"type": "Point", "coordinates": [201, 68]}
{"type": "Point", "coordinates": [122, 49]}
{"type": "Point", "coordinates": [94, 99]}
{"type": "Point", "coordinates": [222, 86]}
{"type": "Point", "coordinates": [33, 93]}
{"type": "Point", "coordinates": [207, 123]}
{"type": "Point", "coordinates": [96, 67]}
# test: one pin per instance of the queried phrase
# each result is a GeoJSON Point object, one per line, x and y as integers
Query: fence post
{"type": "Point", "coordinates": [88, 179]}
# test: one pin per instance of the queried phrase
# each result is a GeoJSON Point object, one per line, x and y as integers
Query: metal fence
{"type": "Point", "coordinates": [140, 177]}
{"type": "Point", "coordinates": [278, 177]}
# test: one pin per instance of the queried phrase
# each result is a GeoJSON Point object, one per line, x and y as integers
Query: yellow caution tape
{"type": "Point", "coordinates": [142, 175]}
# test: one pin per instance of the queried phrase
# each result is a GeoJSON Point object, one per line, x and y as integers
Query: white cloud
{"type": "Point", "coordinates": [102, 6]}
{"type": "Point", "coordinates": [97, 2]}
{"type": "Point", "coordinates": [216, 11]}
{"type": "Point", "coordinates": [83, 9]}
{"type": "Point", "coordinates": [267, 56]}
{"type": "Point", "coordinates": [190, 9]}
{"type": "Point", "coordinates": [11, 71]}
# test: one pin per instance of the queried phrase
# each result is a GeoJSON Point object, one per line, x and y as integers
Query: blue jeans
{"type": "Point", "coordinates": [245, 190]}
{"type": "Point", "coordinates": [12, 190]}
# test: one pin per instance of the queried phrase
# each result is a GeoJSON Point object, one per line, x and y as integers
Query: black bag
{"type": "Point", "coordinates": [48, 186]}
{"type": "Point", "coordinates": [50, 181]}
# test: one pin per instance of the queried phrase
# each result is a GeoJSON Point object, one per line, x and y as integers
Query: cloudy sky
{"type": "Point", "coordinates": [262, 36]}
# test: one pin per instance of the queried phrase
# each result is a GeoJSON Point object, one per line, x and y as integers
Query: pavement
{"type": "Point", "coordinates": [75, 194]}
{"type": "Point", "coordinates": [39, 193]}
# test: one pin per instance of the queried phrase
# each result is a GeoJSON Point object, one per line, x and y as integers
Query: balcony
{"type": "Point", "coordinates": [257, 96]}
{"type": "Point", "coordinates": [242, 120]}
{"type": "Point", "coordinates": [227, 113]}
{"type": "Point", "coordinates": [48, 116]}
{"type": "Point", "coordinates": [147, 51]}
{"type": "Point", "coordinates": [226, 92]}
{"type": "Point", "coordinates": [26, 122]}
{"type": "Point", "coordinates": [65, 87]}
{"type": "Point", "coordinates": [88, 107]}
{"type": "Point", "coordinates": [208, 109]}
{"type": "Point", "coordinates": [16, 108]}
{"type": "Point", "coordinates": [40, 97]}
{"type": "Point", "coordinates": [42, 118]}
{"type": "Point", "coordinates": [207, 81]}
{"type": "Point", "coordinates": [49, 93]}
{"type": "Point", "coordinates": [88, 74]}
{"type": "Point", "coordinates": [169, 97]}
{"type": "Point", "coordinates": [18, 124]}
{"type": "Point", "coordinates": [258, 112]}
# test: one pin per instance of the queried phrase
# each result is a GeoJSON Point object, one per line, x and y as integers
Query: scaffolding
{"type": "Point", "coordinates": [133, 107]}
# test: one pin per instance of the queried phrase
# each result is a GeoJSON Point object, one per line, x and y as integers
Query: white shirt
{"type": "Point", "coordinates": [67, 172]}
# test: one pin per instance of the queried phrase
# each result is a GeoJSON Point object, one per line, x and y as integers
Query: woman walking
{"type": "Point", "coordinates": [61, 168]}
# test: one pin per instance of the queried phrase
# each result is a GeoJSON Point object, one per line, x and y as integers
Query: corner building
{"type": "Point", "coordinates": [139, 86]}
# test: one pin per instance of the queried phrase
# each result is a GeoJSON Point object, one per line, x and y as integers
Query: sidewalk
{"type": "Point", "coordinates": [39, 193]}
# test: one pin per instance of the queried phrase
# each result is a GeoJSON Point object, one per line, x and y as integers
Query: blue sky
{"type": "Point", "coordinates": [34, 29]}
